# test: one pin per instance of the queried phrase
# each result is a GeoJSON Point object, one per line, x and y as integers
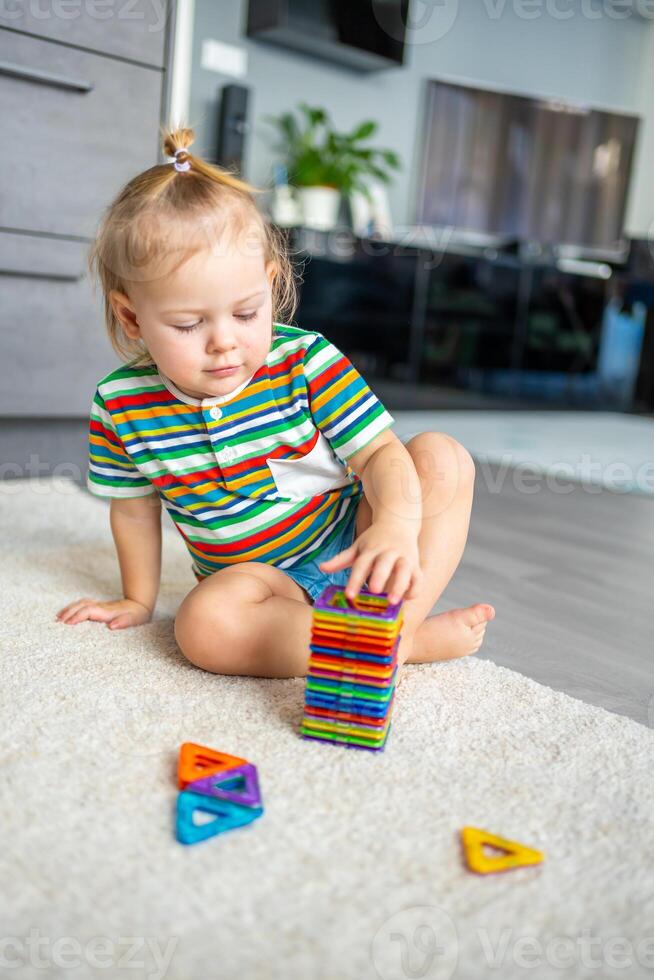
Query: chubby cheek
{"type": "Point", "coordinates": [189, 353]}
{"type": "Point", "coordinates": [176, 352]}
{"type": "Point", "coordinates": [253, 343]}
{"type": "Point", "coordinates": [262, 339]}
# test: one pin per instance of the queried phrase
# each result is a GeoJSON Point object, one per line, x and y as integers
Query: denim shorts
{"type": "Point", "coordinates": [310, 577]}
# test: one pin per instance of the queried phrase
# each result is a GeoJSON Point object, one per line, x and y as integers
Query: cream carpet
{"type": "Point", "coordinates": [354, 870]}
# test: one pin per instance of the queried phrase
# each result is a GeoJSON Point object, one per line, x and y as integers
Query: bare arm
{"type": "Point", "coordinates": [386, 554]}
{"type": "Point", "coordinates": [392, 487]}
{"type": "Point", "coordinates": [136, 528]}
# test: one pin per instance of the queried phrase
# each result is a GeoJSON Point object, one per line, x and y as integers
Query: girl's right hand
{"type": "Point", "coordinates": [119, 614]}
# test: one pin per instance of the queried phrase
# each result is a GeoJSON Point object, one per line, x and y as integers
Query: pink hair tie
{"type": "Point", "coordinates": [186, 165]}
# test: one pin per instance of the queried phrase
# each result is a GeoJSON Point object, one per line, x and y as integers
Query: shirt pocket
{"type": "Point", "coordinates": [318, 471]}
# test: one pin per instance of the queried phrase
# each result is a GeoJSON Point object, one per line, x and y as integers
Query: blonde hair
{"type": "Point", "coordinates": [165, 214]}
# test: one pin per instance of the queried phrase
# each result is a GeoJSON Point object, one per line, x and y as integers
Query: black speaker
{"type": "Point", "coordinates": [233, 127]}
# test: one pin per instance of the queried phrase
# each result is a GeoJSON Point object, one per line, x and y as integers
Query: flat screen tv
{"type": "Point", "coordinates": [510, 166]}
{"type": "Point", "coordinates": [363, 34]}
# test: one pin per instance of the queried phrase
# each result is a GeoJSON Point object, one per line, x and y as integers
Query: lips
{"type": "Point", "coordinates": [227, 367]}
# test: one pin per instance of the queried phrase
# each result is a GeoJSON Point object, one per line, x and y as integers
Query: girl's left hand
{"type": "Point", "coordinates": [383, 555]}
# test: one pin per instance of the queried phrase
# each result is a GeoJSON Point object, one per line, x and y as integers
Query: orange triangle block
{"type": "Point", "coordinates": [196, 761]}
{"type": "Point", "coordinates": [515, 855]}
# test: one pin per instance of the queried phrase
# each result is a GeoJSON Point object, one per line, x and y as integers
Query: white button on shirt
{"type": "Point", "coordinates": [210, 403]}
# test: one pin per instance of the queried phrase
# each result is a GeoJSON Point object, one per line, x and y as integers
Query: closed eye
{"type": "Point", "coordinates": [187, 327]}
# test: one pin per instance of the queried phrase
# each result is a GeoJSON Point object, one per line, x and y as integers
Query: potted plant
{"type": "Point", "coordinates": [322, 164]}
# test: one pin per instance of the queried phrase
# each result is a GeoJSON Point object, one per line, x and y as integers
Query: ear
{"type": "Point", "coordinates": [271, 271]}
{"type": "Point", "coordinates": [125, 312]}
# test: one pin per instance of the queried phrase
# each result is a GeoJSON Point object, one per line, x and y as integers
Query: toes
{"type": "Point", "coordinates": [471, 616]}
{"type": "Point", "coordinates": [479, 615]}
{"type": "Point", "coordinates": [476, 615]}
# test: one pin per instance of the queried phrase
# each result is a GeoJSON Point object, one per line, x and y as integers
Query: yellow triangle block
{"type": "Point", "coordinates": [516, 855]}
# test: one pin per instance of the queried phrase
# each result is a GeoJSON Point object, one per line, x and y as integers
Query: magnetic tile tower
{"type": "Point", "coordinates": [350, 684]}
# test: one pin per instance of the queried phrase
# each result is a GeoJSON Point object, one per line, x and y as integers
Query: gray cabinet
{"type": "Point", "coordinates": [53, 345]}
{"type": "Point", "coordinates": [134, 29]}
{"type": "Point", "coordinates": [79, 126]}
{"type": "Point", "coordinates": [78, 121]}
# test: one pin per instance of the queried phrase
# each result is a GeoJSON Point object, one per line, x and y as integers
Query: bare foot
{"type": "Point", "coordinates": [447, 635]}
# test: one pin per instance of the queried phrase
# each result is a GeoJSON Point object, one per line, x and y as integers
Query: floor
{"type": "Point", "coordinates": [570, 576]}
{"type": "Point", "coordinates": [567, 563]}
{"type": "Point", "coordinates": [598, 449]}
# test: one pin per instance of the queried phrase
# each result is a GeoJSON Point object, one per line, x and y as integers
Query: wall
{"type": "Point", "coordinates": [640, 206]}
{"type": "Point", "coordinates": [522, 46]}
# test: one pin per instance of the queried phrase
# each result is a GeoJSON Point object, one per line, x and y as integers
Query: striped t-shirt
{"type": "Point", "coordinates": [258, 474]}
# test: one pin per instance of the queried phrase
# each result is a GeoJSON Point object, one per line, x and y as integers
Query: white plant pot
{"type": "Point", "coordinates": [319, 206]}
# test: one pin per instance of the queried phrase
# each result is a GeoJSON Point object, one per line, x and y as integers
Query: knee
{"type": "Point", "coordinates": [436, 453]}
{"type": "Point", "coordinates": [204, 632]}
{"type": "Point", "coordinates": [191, 628]}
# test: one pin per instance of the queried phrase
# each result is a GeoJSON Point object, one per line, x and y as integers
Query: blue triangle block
{"type": "Point", "coordinates": [227, 816]}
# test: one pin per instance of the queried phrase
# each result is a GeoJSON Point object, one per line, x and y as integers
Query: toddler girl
{"type": "Point", "coordinates": [272, 456]}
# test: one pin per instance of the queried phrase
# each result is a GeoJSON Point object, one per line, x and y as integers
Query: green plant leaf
{"type": "Point", "coordinates": [364, 130]}
{"type": "Point", "coordinates": [391, 158]}
{"type": "Point", "coordinates": [316, 154]}
{"type": "Point", "coordinates": [316, 116]}
{"type": "Point", "coordinates": [379, 174]}
{"type": "Point", "coordinates": [288, 126]}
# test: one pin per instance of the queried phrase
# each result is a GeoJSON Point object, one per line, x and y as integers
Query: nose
{"type": "Point", "coordinates": [221, 338]}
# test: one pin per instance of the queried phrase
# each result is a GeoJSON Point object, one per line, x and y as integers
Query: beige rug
{"type": "Point", "coordinates": [354, 870]}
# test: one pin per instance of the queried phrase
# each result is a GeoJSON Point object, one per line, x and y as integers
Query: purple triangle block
{"type": "Point", "coordinates": [238, 785]}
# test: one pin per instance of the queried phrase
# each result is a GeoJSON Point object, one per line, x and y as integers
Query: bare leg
{"type": "Point", "coordinates": [447, 473]}
{"type": "Point", "coordinates": [253, 619]}
{"type": "Point", "coordinates": [249, 619]}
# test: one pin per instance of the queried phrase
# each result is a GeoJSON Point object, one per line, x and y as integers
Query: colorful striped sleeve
{"type": "Point", "coordinates": [111, 472]}
{"type": "Point", "coordinates": [343, 407]}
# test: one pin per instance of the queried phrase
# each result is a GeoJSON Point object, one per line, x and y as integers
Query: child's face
{"type": "Point", "coordinates": [214, 311]}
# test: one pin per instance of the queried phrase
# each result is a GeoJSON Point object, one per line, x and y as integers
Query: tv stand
{"type": "Point", "coordinates": [420, 311]}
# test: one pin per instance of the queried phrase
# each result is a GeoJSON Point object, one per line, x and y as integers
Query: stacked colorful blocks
{"type": "Point", "coordinates": [222, 788]}
{"type": "Point", "coordinates": [352, 672]}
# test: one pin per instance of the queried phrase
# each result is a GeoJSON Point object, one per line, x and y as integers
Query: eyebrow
{"type": "Point", "coordinates": [261, 292]}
